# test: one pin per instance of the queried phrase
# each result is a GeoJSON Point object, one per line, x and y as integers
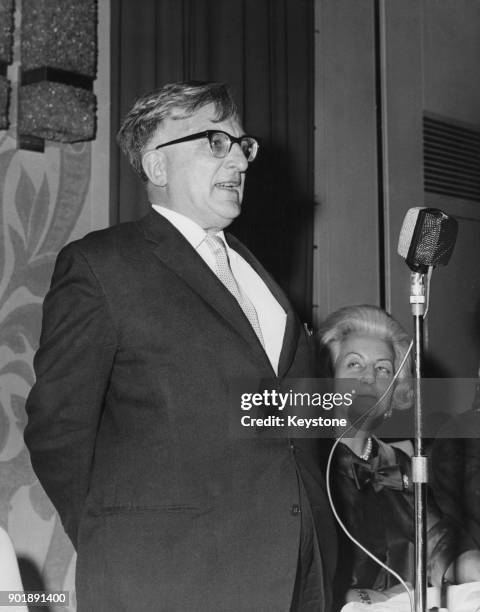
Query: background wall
{"type": "Point", "coordinates": [46, 200]}
{"type": "Point", "coordinates": [382, 67]}
{"type": "Point", "coordinates": [347, 257]}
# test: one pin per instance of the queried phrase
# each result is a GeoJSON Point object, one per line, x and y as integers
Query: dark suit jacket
{"type": "Point", "coordinates": [129, 431]}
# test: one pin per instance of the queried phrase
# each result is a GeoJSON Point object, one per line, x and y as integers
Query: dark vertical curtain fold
{"type": "Point", "coordinates": [264, 49]}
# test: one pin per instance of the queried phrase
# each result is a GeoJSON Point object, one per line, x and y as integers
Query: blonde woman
{"type": "Point", "coordinates": [371, 478]}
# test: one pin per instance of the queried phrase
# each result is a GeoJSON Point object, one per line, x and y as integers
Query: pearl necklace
{"type": "Point", "coordinates": [365, 456]}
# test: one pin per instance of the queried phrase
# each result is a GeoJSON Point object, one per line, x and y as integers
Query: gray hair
{"type": "Point", "coordinates": [372, 321]}
{"type": "Point", "coordinates": [174, 101]}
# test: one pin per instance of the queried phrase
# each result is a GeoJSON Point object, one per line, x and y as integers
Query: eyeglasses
{"type": "Point", "coordinates": [221, 143]}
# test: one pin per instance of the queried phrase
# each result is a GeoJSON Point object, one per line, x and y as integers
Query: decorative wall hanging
{"type": "Point", "coordinates": [6, 42]}
{"type": "Point", "coordinates": [58, 54]}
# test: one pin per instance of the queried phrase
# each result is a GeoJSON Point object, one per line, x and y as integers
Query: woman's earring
{"type": "Point", "coordinates": [388, 413]}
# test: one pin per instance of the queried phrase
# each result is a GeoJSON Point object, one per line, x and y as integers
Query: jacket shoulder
{"type": "Point", "coordinates": [111, 238]}
{"type": "Point", "coordinates": [100, 246]}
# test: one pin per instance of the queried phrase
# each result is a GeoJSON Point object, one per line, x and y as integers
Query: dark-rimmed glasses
{"type": "Point", "coordinates": [221, 143]}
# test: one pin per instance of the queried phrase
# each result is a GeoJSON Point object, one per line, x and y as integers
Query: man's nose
{"type": "Point", "coordinates": [236, 158]}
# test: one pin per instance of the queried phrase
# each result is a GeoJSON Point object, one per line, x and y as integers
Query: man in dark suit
{"type": "Point", "coordinates": [145, 326]}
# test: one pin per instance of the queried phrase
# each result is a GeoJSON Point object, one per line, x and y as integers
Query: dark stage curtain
{"type": "Point", "coordinates": [264, 49]}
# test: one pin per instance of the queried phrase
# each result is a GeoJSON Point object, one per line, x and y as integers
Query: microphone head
{"type": "Point", "coordinates": [427, 238]}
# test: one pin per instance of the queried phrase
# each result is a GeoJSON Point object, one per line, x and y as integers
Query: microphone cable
{"type": "Point", "coordinates": [329, 491]}
{"type": "Point", "coordinates": [409, 590]}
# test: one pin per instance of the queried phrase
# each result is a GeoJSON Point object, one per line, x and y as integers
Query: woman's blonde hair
{"type": "Point", "coordinates": [372, 321]}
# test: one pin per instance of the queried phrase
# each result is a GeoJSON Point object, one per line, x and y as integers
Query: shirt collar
{"type": "Point", "coordinates": [187, 227]}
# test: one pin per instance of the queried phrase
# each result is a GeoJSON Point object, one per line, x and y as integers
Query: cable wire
{"type": "Point", "coordinates": [328, 473]}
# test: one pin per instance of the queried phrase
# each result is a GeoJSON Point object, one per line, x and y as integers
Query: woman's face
{"type": "Point", "coordinates": [369, 362]}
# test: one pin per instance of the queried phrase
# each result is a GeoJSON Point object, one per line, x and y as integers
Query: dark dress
{"type": "Point", "coordinates": [375, 501]}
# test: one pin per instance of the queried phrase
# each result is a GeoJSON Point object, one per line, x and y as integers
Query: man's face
{"type": "Point", "coordinates": [206, 189]}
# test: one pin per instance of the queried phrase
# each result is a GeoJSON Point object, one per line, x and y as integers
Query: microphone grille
{"type": "Point", "coordinates": [431, 246]}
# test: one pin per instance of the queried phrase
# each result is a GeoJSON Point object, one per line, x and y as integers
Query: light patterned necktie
{"type": "Point", "coordinates": [225, 274]}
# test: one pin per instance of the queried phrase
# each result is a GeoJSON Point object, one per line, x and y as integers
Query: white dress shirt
{"type": "Point", "coordinates": [271, 316]}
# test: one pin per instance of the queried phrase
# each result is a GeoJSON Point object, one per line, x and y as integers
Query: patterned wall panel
{"type": "Point", "coordinates": [46, 200]}
{"type": "Point", "coordinates": [41, 204]}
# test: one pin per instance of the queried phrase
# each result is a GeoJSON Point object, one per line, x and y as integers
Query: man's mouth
{"type": "Point", "coordinates": [228, 185]}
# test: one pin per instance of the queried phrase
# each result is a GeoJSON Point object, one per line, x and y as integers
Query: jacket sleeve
{"type": "Point", "coordinates": [72, 368]}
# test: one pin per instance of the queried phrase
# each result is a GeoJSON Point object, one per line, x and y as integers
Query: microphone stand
{"type": "Point", "coordinates": [419, 460]}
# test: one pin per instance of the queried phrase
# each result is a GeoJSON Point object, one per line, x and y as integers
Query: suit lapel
{"type": "Point", "coordinates": [292, 326]}
{"type": "Point", "coordinates": [174, 251]}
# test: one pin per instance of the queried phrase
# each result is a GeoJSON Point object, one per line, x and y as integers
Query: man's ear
{"type": "Point", "coordinates": [154, 166]}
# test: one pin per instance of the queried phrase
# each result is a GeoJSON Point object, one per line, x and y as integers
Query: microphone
{"type": "Point", "coordinates": [427, 238]}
